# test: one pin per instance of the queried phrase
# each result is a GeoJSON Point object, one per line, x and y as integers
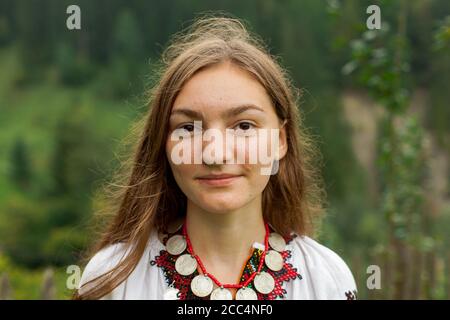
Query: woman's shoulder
{"type": "Point", "coordinates": [319, 254]}
{"type": "Point", "coordinates": [105, 257]}
{"type": "Point", "coordinates": [110, 256]}
{"type": "Point", "coordinates": [102, 262]}
{"type": "Point", "coordinates": [324, 265]}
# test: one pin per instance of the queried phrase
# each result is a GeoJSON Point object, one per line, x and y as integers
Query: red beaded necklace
{"type": "Point", "coordinates": [217, 282]}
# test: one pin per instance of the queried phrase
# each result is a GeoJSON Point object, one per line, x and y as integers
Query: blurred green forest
{"type": "Point", "coordinates": [376, 100]}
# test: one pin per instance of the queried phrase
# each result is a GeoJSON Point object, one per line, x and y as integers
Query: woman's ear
{"type": "Point", "coordinates": [282, 143]}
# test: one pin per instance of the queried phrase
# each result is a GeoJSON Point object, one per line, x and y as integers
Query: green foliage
{"type": "Point", "coordinates": [381, 63]}
{"type": "Point", "coordinates": [67, 152]}
{"type": "Point", "coordinates": [71, 69]}
{"type": "Point", "coordinates": [401, 162]}
{"type": "Point", "coordinates": [127, 57]}
{"type": "Point", "coordinates": [20, 165]}
{"type": "Point", "coordinates": [127, 38]}
{"type": "Point", "coordinates": [27, 284]}
{"type": "Point", "coordinates": [438, 115]}
{"type": "Point", "coordinates": [442, 35]}
{"type": "Point", "coordinates": [380, 68]}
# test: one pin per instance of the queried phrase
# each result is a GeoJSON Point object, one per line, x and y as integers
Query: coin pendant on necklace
{"type": "Point", "coordinates": [221, 294]}
{"type": "Point", "coordinates": [273, 260]}
{"type": "Point", "coordinates": [277, 242]}
{"type": "Point", "coordinates": [264, 282]}
{"type": "Point", "coordinates": [246, 293]}
{"type": "Point", "coordinates": [171, 294]}
{"type": "Point", "coordinates": [176, 244]}
{"type": "Point", "coordinates": [201, 285]}
{"type": "Point", "coordinates": [185, 264]}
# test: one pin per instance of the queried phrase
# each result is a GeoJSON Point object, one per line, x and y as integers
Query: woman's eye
{"type": "Point", "coordinates": [188, 127]}
{"type": "Point", "coordinates": [245, 126]}
{"type": "Point", "coordinates": [186, 130]}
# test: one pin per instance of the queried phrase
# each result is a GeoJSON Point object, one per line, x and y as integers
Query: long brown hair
{"type": "Point", "coordinates": [150, 199]}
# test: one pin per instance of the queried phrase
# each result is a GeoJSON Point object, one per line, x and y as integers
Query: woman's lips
{"type": "Point", "coordinates": [218, 180]}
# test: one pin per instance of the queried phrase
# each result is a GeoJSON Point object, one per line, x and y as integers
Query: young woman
{"type": "Point", "coordinates": [199, 217]}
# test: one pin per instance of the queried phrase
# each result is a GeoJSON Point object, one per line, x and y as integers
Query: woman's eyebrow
{"type": "Point", "coordinates": [232, 112]}
{"type": "Point", "coordinates": [228, 113]}
{"type": "Point", "coordinates": [188, 112]}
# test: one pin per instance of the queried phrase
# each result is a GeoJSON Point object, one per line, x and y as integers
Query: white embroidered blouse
{"type": "Point", "coordinates": [314, 272]}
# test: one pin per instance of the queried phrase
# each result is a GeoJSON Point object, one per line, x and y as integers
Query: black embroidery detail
{"type": "Point", "coordinates": [351, 295]}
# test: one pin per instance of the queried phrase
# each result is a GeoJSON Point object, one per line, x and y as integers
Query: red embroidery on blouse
{"type": "Point", "coordinates": [166, 262]}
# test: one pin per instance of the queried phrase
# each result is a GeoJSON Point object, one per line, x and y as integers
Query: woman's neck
{"type": "Point", "coordinates": [223, 241]}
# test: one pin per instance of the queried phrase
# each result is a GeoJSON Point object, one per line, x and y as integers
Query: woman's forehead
{"type": "Point", "coordinates": [220, 88]}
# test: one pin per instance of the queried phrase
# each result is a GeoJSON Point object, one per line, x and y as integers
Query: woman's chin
{"type": "Point", "coordinates": [221, 204]}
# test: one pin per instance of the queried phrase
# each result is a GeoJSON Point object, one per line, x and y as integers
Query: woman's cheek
{"type": "Point", "coordinates": [252, 165]}
{"type": "Point", "coordinates": [246, 150]}
{"type": "Point", "coordinates": [261, 151]}
{"type": "Point", "coordinates": [176, 153]}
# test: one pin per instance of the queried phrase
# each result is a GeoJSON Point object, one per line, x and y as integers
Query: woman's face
{"type": "Point", "coordinates": [224, 135]}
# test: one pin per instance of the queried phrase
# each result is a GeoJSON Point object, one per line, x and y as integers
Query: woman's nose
{"type": "Point", "coordinates": [217, 147]}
